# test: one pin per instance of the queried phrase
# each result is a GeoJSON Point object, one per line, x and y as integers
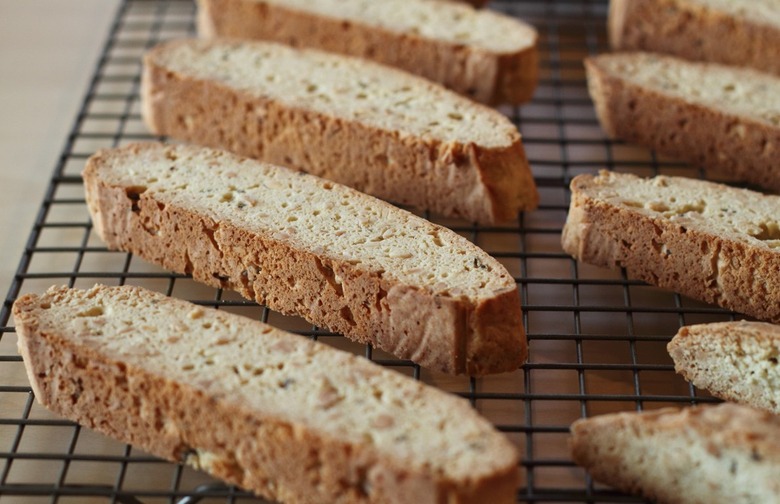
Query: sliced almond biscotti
{"type": "Point", "coordinates": [377, 129]}
{"type": "Point", "coordinates": [737, 361]}
{"type": "Point", "coordinates": [725, 119]}
{"type": "Point", "coordinates": [735, 32]}
{"type": "Point", "coordinates": [306, 246]}
{"type": "Point", "coordinates": [278, 414]}
{"type": "Point", "coordinates": [485, 55]}
{"type": "Point", "coordinates": [708, 241]}
{"type": "Point", "coordinates": [720, 454]}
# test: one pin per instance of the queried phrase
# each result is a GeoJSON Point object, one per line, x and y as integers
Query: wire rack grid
{"type": "Point", "coordinates": [597, 339]}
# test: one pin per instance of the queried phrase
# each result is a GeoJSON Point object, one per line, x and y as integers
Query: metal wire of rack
{"type": "Point", "coordinates": [597, 339]}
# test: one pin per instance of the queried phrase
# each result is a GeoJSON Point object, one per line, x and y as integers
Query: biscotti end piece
{"type": "Point", "coordinates": [702, 455]}
{"type": "Point", "coordinates": [724, 119]}
{"type": "Point", "coordinates": [380, 130]}
{"type": "Point", "coordinates": [288, 418]}
{"type": "Point", "coordinates": [711, 242]}
{"type": "Point", "coordinates": [745, 32]}
{"type": "Point", "coordinates": [736, 361]}
{"type": "Point", "coordinates": [450, 43]}
{"type": "Point", "coordinates": [303, 245]}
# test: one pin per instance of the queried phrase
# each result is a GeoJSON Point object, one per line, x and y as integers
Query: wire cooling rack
{"type": "Point", "coordinates": [597, 340]}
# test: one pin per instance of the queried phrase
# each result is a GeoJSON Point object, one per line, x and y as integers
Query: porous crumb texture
{"type": "Point", "coordinates": [706, 240]}
{"type": "Point", "coordinates": [304, 245]}
{"type": "Point", "coordinates": [286, 417]}
{"type": "Point", "coordinates": [702, 455]}
{"type": "Point", "coordinates": [744, 32]}
{"type": "Point", "coordinates": [355, 122]}
{"type": "Point", "coordinates": [448, 42]}
{"type": "Point", "coordinates": [724, 119]}
{"type": "Point", "coordinates": [736, 361]}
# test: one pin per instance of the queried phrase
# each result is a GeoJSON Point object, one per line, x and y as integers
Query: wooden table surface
{"type": "Point", "coordinates": [48, 51]}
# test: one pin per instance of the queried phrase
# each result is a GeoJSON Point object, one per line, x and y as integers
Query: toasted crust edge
{"type": "Point", "coordinates": [703, 355]}
{"type": "Point", "coordinates": [263, 449]}
{"type": "Point", "coordinates": [694, 32]}
{"type": "Point", "coordinates": [482, 184]}
{"type": "Point", "coordinates": [605, 235]}
{"type": "Point", "coordinates": [739, 429]}
{"type": "Point", "coordinates": [722, 143]}
{"type": "Point", "coordinates": [488, 77]}
{"type": "Point", "coordinates": [399, 318]}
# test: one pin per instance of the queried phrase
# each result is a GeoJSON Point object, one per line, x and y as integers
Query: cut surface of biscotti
{"type": "Point", "coordinates": [734, 32]}
{"type": "Point", "coordinates": [485, 55]}
{"type": "Point", "coordinates": [709, 241]}
{"type": "Point", "coordinates": [380, 130]}
{"type": "Point", "coordinates": [724, 119]}
{"type": "Point", "coordinates": [702, 455]}
{"type": "Point", "coordinates": [303, 245]}
{"type": "Point", "coordinates": [737, 361]}
{"type": "Point", "coordinates": [281, 415]}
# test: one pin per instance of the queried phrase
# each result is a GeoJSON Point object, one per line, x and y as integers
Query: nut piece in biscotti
{"type": "Point", "coordinates": [720, 454]}
{"type": "Point", "coordinates": [303, 245]}
{"type": "Point", "coordinates": [288, 418]}
{"type": "Point", "coordinates": [736, 361]}
{"type": "Point", "coordinates": [734, 32]}
{"type": "Point", "coordinates": [724, 119]}
{"type": "Point", "coordinates": [709, 241]}
{"type": "Point", "coordinates": [371, 127]}
{"type": "Point", "coordinates": [482, 54]}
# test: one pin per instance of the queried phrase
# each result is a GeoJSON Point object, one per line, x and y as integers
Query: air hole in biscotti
{"type": "Point", "coordinates": [456, 116]}
{"type": "Point", "coordinates": [94, 311]}
{"type": "Point", "coordinates": [436, 239]}
{"type": "Point", "coordinates": [206, 325]}
{"type": "Point", "coordinates": [768, 231]}
{"type": "Point", "coordinates": [633, 204]}
{"type": "Point", "coordinates": [45, 306]}
{"type": "Point", "coordinates": [188, 367]}
{"type": "Point", "coordinates": [134, 194]}
{"type": "Point", "coordinates": [226, 197]}
{"type": "Point", "coordinates": [292, 218]}
{"type": "Point", "coordinates": [347, 315]}
{"type": "Point", "coordinates": [330, 276]}
{"type": "Point", "coordinates": [657, 206]}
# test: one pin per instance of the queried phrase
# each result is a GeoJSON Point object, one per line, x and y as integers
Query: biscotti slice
{"type": "Point", "coordinates": [720, 454]}
{"type": "Point", "coordinates": [377, 129]}
{"type": "Point", "coordinates": [278, 414]}
{"type": "Point", "coordinates": [306, 246]}
{"type": "Point", "coordinates": [725, 119]}
{"type": "Point", "coordinates": [705, 240]}
{"type": "Point", "coordinates": [734, 32]}
{"type": "Point", "coordinates": [485, 55]}
{"type": "Point", "coordinates": [737, 361]}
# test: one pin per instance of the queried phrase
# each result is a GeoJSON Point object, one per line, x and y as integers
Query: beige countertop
{"type": "Point", "coordinates": [48, 51]}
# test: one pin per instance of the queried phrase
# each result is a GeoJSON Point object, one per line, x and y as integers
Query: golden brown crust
{"type": "Point", "coordinates": [693, 32]}
{"type": "Point", "coordinates": [406, 320]}
{"type": "Point", "coordinates": [671, 253]}
{"type": "Point", "coordinates": [198, 423]}
{"type": "Point", "coordinates": [736, 361]}
{"type": "Point", "coordinates": [742, 148]}
{"type": "Point", "coordinates": [488, 77]}
{"type": "Point", "coordinates": [466, 180]}
{"type": "Point", "coordinates": [700, 455]}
